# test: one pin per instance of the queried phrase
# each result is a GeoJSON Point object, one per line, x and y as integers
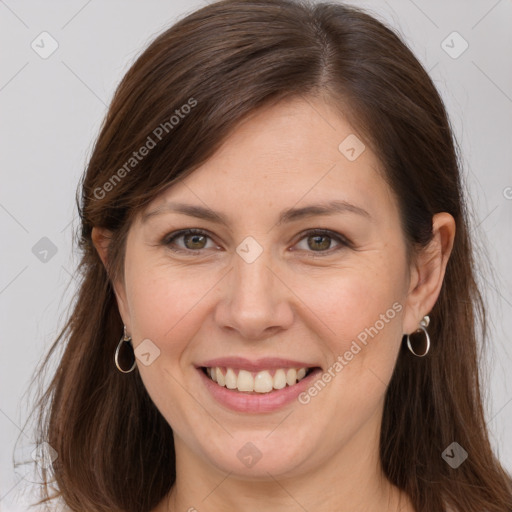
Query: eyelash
{"type": "Point", "coordinates": [344, 242]}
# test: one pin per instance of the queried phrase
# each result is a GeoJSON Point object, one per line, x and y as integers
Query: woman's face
{"type": "Point", "coordinates": [300, 263]}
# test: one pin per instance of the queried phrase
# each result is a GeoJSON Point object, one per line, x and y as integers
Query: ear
{"type": "Point", "coordinates": [101, 239]}
{"type": "Point", "coordinates": [427, 272]}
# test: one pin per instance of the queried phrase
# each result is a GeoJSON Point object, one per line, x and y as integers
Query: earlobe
{"type": "Point", "coordinates": [429, 271]}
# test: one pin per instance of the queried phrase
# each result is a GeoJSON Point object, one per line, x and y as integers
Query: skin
{"type": "Point", "coordinates": [291, 302]}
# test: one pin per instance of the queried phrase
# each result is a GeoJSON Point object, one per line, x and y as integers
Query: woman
{"type": "Point", "coordinates": [278, 303]}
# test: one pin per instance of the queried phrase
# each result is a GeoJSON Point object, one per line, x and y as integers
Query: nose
{"type": "Point", "coordinates": [256, 303]}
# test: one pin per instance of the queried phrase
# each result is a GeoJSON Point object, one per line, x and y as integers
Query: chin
{"type": "Point", "coordinates": [260, 456]}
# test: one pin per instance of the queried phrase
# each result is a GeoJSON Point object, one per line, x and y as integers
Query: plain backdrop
{"type": "Point", "coordinates": [60, 64]}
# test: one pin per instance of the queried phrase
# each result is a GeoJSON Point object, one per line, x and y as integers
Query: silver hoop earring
{"type": "Point", "coordinates": [125, 345]}
{"type": "Point", "coordinates": [423, 327]}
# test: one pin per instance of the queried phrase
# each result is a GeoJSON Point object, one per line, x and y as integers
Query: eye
{"type": "Point", "coordinates": [317, 241]}
{"type": "Point", "coordinates": [194, 240]}
{"type": "Point", "coordinates": [320, 241]}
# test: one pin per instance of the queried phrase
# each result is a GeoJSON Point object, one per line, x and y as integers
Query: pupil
{"type": "Point", "coordinates": [194, 238]}
{"type": "Point", "coordinates": [317, 239]}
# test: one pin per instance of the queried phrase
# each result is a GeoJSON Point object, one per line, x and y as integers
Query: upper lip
{"type": "Point", "coordinates": [265, 363]}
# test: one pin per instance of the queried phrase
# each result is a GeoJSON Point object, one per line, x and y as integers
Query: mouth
{"type": "Point", "coordinates": [256, 382]}
{"type": "Point", "coordinates": [256, 386]}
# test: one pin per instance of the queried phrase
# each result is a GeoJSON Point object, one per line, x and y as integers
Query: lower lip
{"type": "Point", "coordinates": [256, 402]}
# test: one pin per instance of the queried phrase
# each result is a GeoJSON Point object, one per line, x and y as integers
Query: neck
{"type": "Point", "coordinates": [351, 480]}
{"type": "Point", "coordinates": [229, 494]}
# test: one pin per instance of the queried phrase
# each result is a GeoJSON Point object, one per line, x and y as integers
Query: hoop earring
{"type": "Point", "coordinates": [423, 327]}
{"type": "Point", "coordinates": [126, 342]}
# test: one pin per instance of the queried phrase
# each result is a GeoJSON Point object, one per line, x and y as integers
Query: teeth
{"type": "Point", "coordinates": [230, 379]}
{"type": "Point", "coordinates": [259, 382]}
{"type": "Point", "coordinates": [263, 382]}
{"type": "Point", "coordinates": [279, 379]}
{"type": "Point", "coordinates": [245, 381]}
{"type": "Point", "coordinates": [220, 378]}
{"type": "Point", "coordinates": [291, 376]}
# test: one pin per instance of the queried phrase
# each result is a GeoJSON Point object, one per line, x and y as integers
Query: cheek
{"type": "Point", "coordinates": [167, 306]}
{"type": "Point", "coordinates": [164, 301]}
{"type": "Point", "coordinates": [351, 300]}
{"type": "Point", "coordinates": [360, 324]}
{"type": "Point", "coordinates": [359, 313]}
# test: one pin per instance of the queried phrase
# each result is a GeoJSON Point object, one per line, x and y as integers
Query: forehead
{"type": "Point", "coordinates": [296, 152]}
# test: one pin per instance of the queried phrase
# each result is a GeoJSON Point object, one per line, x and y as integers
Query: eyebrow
{"type": "Point", "coordinates": [288, 215]}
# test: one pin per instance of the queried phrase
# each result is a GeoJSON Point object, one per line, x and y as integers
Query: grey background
{"type": "Point", "coordinates": [51, 110]}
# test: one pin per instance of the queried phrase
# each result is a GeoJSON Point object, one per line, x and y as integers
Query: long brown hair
{"type": "Point", "coordinates": [196, 82]}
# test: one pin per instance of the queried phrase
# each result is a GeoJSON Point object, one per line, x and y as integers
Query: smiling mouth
{"type": "Point", "coordinates": [264, 381]}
